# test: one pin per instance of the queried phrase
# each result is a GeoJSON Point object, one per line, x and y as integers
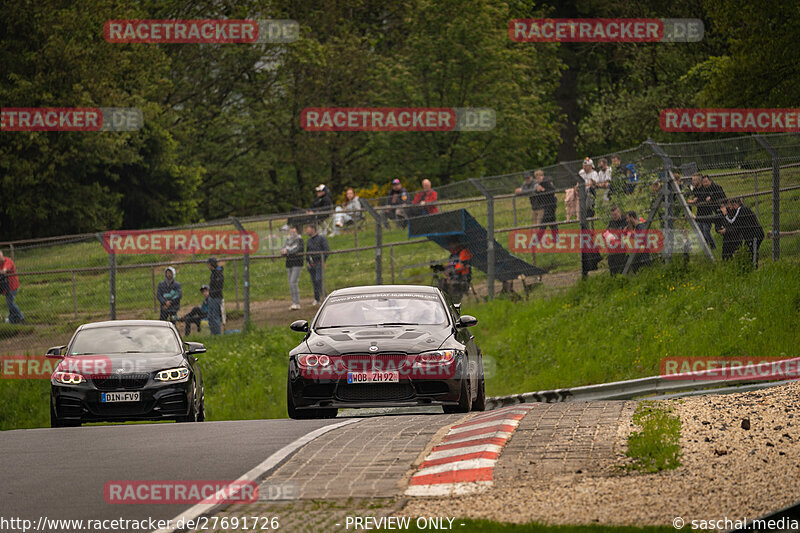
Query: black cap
{"type": "Point", "coordinates": [212, 261]}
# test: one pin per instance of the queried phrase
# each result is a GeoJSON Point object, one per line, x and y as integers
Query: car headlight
{"type": "Point", "coordinates": [312, 360]}
{"type": "Point", "coordinates": [173, 374]}
{"type": "Point", "coordinates": [437, 357]}
{"type": "Point", "coordinates": [68, 378]}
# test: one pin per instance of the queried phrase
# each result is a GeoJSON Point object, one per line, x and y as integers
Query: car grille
{"type": "Point", "coordinates": [378, 362]}
{"type": "Point", "coordinates": [121, 381]}
{"type": "Point", "coordinates": [374, 391]}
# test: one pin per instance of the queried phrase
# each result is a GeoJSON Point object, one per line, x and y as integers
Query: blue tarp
{"type": "Point", "coordinates": [442, 227]}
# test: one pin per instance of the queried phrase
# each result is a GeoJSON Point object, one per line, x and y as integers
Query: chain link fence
{"type": "Point", "coordinates": [66, 281]}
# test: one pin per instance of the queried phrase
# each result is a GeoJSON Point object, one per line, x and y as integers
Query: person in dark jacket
{"type": "Point", "coordinates": [317, 249]}
{"type": "Point", "coordinates": [543, 203]}
{"type": "Point", "coordinates": [740, 226]}
{"type": "Point", "coordinates": [397, 201]}
{"type": "Point", "coordinates": [322, 206]}
{"type": "Point", "coordinates": [168, 294]}
{"type": "Point", "coordinates": [634, 225]}
{"type": "Point", "coordinates": [293, 251]}
{"type": "Point", "coordinates": [197, 313]}
{"type": "Point", "coordinates": [709, 198]}
{"type": "Point", "coordinates": [616, 261]}
{"type": "Point", "coordinates": [215, 286]}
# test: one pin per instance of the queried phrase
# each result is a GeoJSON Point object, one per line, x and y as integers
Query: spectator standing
{"type": "Point", "coordinates": [397, 200]}
{"type": "Point", "coordinates": [543, 204]}
{"type": "Point", "coordinates": [293, 250]}
{"type": "Point", "coordinates": [571, 202]}
{"type": "Point", "coordinates": [351, 211]}
{"type": "Point", "coordinates": [427, 198]}
{"type": "Point", "coordinates": [9, 284]}
{"type": "Point", "coordinates": [197, 313]}
{"type": "Point", "coordinates": [616, 261]}
{"type": "Point", "coordinates": [590, 179]}
{"type": "Point", "coordinates": [168, 294]}
{"type": "Point", "coordinates": [604, 178]}
{"type": "Point", "coordinates": [317, 250]}
{"type": "Point", "coordinates": [740, 225]}
{"type": "Point", "coordinates": [216, 284]}
{"type": "Point", "coordinates": [633, 225]}
{"type": "Point", "coordinates": [709, 198]}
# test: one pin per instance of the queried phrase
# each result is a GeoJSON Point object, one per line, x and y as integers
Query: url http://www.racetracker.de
{"type": "Point", "coordinates": [53, 525]}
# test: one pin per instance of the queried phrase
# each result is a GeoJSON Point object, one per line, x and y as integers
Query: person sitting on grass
{"type": "Point", "coordinates": [197, 313]}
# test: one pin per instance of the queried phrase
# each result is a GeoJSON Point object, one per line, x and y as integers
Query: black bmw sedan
{"type": "Point", "coordinates": [385, 346]}
{"type": "Point", "coordinates": [126, 370]}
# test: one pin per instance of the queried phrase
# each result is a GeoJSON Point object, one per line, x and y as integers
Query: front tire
{"type": "Point", "coordinates": [464, 400]}
{"type": "Point", "coordinates": [56, 422]}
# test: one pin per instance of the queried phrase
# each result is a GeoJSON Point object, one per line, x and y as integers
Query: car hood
{"type": "Point", "coordinates": [403, 339]}
{"type": "Point", "coordinates": [121, 363]}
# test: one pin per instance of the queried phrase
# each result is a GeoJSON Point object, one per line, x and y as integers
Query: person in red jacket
{"type": "Point", "coordinates": [427, 198]}
{"type": "Point", "coordinates": [9, 283]}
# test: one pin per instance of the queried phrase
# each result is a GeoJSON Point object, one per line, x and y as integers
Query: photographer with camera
{"type": "Point", "coordinates": [458, 272]}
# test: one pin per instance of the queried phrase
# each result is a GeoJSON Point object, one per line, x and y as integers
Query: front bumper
{"type": "Point", "coordinates": [158, 401]}
{"type": "Point", "coordinates": [310, 391]}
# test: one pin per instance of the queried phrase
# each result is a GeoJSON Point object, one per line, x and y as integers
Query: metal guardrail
{"type": "Point", "coordinates": [655, 385]}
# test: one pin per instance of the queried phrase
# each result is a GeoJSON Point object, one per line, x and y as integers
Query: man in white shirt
{"type": "Point", "coordinates": [588, 173]}
{"type": "Point", "coordinates": [604, 178]}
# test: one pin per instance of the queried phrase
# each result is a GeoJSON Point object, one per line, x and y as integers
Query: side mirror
{"type": "Point", "coordinates": [195, 348]}
{"type": "Point", "coordinates": [466, 321]}
{"type": "Point", "coordinates": [457, 307]}
{"type": "Point", "coordinates": [299, 325]}
{"type": "Point", "coordinates": [55, 352]}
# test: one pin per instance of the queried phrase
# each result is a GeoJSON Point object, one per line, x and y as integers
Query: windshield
{"type": "Point", "coordinates": [129, 339]}
{"type": "Point", "coordinates": [382, 309]}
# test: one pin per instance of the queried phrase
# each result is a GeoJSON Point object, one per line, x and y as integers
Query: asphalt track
{"type": "Point", "coordinates": [60, 473]}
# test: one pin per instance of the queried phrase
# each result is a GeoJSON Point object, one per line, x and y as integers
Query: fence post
{"type": "Point", "coordinates": [378, 241]}
{"type": "Point", "coordinates": [236, 281]}
{"type": "Point", "coordinates": [112, 284]}
{"type": "Point", "coordinates": [489, 233]}
{"type": "Point", "coordinates": [153, 282]}
{"type": "Point", "coordinates": [391, 259]}
{"type": "Point", "coordinates": [776, 196]}
{"type": "Point", "coordinates": [74, 296]}
{"type": "Point", "coordinates": [11, 249]}
{"type": "Point", "coordinates": [583, 223]}
{"type": "Point", "coordinates": [112, 279]}
{"type": "Point", "coordinates": [245, 276]}
{"type": "Point", "coordinates": [514, 208]}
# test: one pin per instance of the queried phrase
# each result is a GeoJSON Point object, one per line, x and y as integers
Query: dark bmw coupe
{"type": "Point", "coordinates": [385, 346]}
{"type": "Point", "coordinates": [126, 370]}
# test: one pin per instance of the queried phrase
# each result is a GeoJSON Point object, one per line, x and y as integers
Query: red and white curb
{"type": "Point", "coordinates": [464, 461]}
